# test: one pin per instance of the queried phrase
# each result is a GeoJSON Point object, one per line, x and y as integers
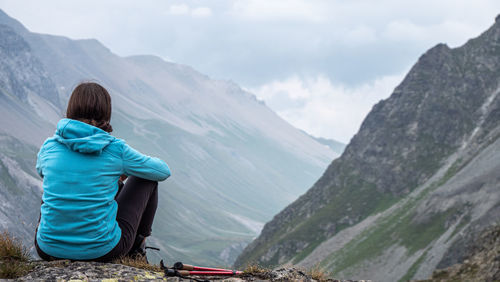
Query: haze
{"type": "Point", "coordinates": [321, 65]}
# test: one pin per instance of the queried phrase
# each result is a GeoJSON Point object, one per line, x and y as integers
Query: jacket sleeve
{"type": "Point", "coordinates": [39, 162]}
{"type": "Point", "coordinates": [137, 164]}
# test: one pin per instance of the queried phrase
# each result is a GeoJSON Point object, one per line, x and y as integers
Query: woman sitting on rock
{"type": "Point", "coordinates": [87, 213]}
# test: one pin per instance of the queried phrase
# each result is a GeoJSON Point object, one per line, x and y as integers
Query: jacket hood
{"type": "Point", "coordinates": [82, 137]}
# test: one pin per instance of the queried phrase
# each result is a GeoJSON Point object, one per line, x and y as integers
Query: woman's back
{"type": "Point", "coordinates": [81, 165]}
{"type": "Point", "coordinates": [84, 215]}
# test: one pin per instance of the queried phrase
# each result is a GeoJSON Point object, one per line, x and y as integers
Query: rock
{"type": "Point", "coordinates": [88, 271]}
{"type": "Point", "coordinates": [65, 270]}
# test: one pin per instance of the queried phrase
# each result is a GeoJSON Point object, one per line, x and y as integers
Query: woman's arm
{"type": "Point", "coordinates": [137, 164]}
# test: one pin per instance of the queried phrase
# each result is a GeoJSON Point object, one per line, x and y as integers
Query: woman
{"type": "Point", "coordinates": [83, 214]}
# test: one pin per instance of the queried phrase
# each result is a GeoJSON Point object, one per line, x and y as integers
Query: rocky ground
{"type": "Point", "coordinates": [94, 271]}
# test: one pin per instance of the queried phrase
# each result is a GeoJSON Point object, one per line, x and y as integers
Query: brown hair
{"type": "Point", "coordinates": [91, 103]}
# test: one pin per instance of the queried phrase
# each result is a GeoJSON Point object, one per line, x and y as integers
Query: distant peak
{"type": "Point", "coordinates": [497, 19]}
{"type": "Point", "coordinates": [147, 58]}
{"type": "Point", "coordinates": [93, 43]}
{"type": "Point", "coordinates": [3, 14]}
{"type": "Point", "coordinates": [437, 51]}
{"type": "Point", "coordinates": [442, 46]}
{"type": "Point", "coordinates": [11, 22]}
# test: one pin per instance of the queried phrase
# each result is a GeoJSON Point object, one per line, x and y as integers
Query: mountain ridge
{"type": "Point", "coordinates": [410, 148]}
{"type": "Point", "coordinates": [336, 146]}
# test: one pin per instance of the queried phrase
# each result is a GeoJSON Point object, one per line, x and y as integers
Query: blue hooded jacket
{"type": "Point", "coordinates": [80, 166]}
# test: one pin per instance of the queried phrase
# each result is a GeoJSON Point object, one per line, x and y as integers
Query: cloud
{"type": "Point", "coordinates": [323, 108]}
{"type": "Point", "coordinates": [404, 30]}
{"type": "Point", "coordinates": [288, 50]}
{"type": "Point", "coordinates": [183, 9]}
{"type": "Point", "coordinates": [254, 42]}
{"type": "Point", "coordinates": [297, 10]}
{"type": "Point", "coordinates": [360, 35]}
{"type": "Point", "coordinates": [201, 12]}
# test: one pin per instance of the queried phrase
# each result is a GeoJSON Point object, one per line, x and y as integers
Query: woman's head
{"type": "Point", "coordinates": [91, 103]}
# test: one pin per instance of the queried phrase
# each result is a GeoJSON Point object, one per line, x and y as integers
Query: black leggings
{"type": "Point", "coordinates": [137, 201]}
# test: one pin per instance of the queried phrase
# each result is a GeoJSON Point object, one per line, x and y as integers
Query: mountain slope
{"type": "Point", "coordinates": [416, 182]}
{"type": "Point", "coordinates": [336, 146]}
{"type": "Point", "coordinates": [234, 162]}
{"type": "Point", "coordinates": [24, 86]}
{"type": "Point", "coordinates": [482, 263]}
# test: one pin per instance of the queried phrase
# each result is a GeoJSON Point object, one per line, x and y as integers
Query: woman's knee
{"type": "Point", "coordinates": [137, 181]}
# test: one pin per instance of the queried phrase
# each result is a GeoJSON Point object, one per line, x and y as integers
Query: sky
{"type": "Point", "coordinates": [320, 64]}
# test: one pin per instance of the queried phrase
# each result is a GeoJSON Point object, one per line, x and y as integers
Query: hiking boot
{"type": "Point", "coordinates": [138, 250]}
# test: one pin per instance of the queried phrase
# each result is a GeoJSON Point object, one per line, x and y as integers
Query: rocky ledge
{"type": "Point", "coordinates": [94, 271]}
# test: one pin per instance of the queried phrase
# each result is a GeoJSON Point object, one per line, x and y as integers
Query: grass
{"type": "Point", "coordinates": [413, 268]}
{"type": "Point", "coordinates": [138, 263]}
{"type": "Point", "coordinates": [415, 236]}
{"type": "Point", "coordinates": [403, 230]}
{"type": "Point", "coordinates": [255, 269]}
{"type": "Point", "coordinates": [14, 257]}
{"type": "Point", "coordinates": [317, 273]}
{"type": "Point", "coordinates": [358, 196]}
{"type": "Point", "coordinates": [399, 228]}
{"type": "Point", "coordinates": [363, 201]}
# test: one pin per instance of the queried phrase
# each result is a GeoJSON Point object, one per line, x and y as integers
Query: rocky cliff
{"type": "Point", "coordinates": [414, 185]}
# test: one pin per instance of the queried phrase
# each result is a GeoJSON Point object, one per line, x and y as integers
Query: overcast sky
{"type": "Point", "coordinates": [321, 65]}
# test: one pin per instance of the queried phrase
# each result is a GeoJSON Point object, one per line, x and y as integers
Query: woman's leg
{"type": "Point", "coordinates": [146, 223]}
{"type": "Point", "coordinates": [137, 202]}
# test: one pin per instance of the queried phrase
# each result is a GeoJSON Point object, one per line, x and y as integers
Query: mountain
{"type": "Point", "coordinates": [336, 146]}
{"type": "Point", "coordinates": [234, 162]}
{"type": "Point", "coordinates": [415, 185]}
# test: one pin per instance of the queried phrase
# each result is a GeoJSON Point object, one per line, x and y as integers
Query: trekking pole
{"type": "Point", "coordinates": [199, 269]}
{"type": "Point", "coordinates": [182, 270]}
{"type": "Point", "coordinates": [209, 273]}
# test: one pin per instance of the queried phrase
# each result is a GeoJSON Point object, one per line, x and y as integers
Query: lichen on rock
{"type": "Point", "coordinates": [65, 270]}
